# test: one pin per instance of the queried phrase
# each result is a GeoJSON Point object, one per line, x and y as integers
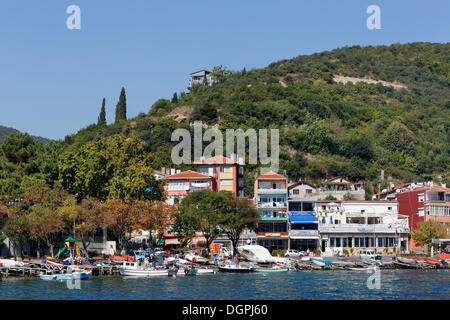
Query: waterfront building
{"type": "Point", "coordinates": [270, 191]}
{"type": "Point", "coordinates": [422, 203]}
{"type": "Point", "coordinates": [336, 187]}
{"type": "Point", "coordinates": [303, 225]}
{"type": "Point", "coordinates": [361, 224]}
{"type": "Point", "coordinates": [180, 184]}
{"type": "Point", "coordinates": [227, 174]}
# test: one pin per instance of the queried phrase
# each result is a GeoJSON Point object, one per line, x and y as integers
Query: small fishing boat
{"type": "Point", "coordinates": [195, 258]}
{"type": "Point", "coordinates": [67, 276]}
{"type": "Point", "coordinates": [8, 263]}
{"type": "Point", "coordinates": [320, 262]}
{"type": "Point", "coordinates": [73, 273]}
{"type": "Point", "coordinates": [236, 268]}
{"type": "Point", "coordinates": [271, 269]}
{"type": "Point", "coordinates": [408, 261]}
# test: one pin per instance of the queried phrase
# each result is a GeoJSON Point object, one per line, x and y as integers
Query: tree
{"type": "Point", "coordinates": [121, 107]}
{"type": "Point", "coordinates": [398, 138]}
{"type": "Point", "coordinates": [102, 116]}
{"type": "Point", "coordinates": [112, 168]}
{"type": "Point", "coordinates": [242, 215]}
{"type": "Point", "coordinates": [124, 220]}
{"type": "Point", "coordinates": [427, 231]}
{"type": "Point", "coordinates": [202, 211]}
{"type": "Point", "coordinates": [174, 98]}
{"type": "Point", "coordinates": [153, 216]}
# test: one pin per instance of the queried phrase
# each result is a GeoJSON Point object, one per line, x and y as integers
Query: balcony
{"type": "Point", "coordinates": [200, 185]}
{"type": "Point", "coordinates": [177, 187]}
{"type": "Point", "coordinates": [272, 205]}
{"type": "Point", "coordinates": [304, 233]}
{"type": "Point", "coordinates": [362, 228]}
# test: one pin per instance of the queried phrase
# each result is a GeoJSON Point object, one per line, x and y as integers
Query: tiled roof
{"type": "Point", "coordinates": [188, 175]}
{"type": "Point", "coordinates": [216, 160]}
{"type": "Point", "coordinates": [271, 175]}
{"type": "Point", "coordinates": [304, 182]}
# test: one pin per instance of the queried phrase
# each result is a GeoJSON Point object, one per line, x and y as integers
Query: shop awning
{"type": "Point", "coordinates": [172, 241]}
{"type": "Point", "coordinates": [302, 217]}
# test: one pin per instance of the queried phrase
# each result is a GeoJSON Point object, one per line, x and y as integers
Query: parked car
{"type": "Point", "coordinates": [293, 254]}
{"type": "Point", "coordinates": [370, 256]}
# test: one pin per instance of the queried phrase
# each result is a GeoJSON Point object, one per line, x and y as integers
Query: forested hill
{"type": "Point", "coordinates": [347, 112]}
{"type": "Point", "coordinates": [6, 131]}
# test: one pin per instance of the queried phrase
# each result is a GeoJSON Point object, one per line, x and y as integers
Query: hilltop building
{"type": "Point", "coordinates": [198, 78]}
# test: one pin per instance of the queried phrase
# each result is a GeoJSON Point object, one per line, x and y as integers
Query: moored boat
{"type": "Point", "coordinates": [320, 262]}
{"type": "Point", "coordinates": [271, 269]}
{"type": "Point", "coordinates": [236, 268]}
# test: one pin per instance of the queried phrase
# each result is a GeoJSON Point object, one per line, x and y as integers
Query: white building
{"type": "Point", "coordinates": [361, 224]}
{"type": "Point", "coordinates": [198, 78]}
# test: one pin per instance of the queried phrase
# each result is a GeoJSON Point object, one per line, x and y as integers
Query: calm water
{"type": "Point", "coordinates": [334, 285]}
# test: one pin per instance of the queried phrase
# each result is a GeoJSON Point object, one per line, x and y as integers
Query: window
{"type": "Point", "coordinates": [421, 212]}
{"type": "Point", "coordinates": [389, 208]}
{"type": "Point", "coordinates": [264, 185]}
{"type": "Point", "coordinates": [226, 182]}
{"type": "Point", "coordinates": [421, 197]}
{"type": "Point", "coordinates": [226, 169]}
{"type": "Point", "coordinates": [308, 191]}
{"type": "Point", "coordinates": [295, 191]}
{"type": "Point", "coordinates": [278, 185]}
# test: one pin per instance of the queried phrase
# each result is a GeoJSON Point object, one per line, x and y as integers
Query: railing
{"type": "Point", "coordinates": [177, 188]}
{"type": "Point", "coordinates": [272, 205]}
{"type": "Point", "coordinates": [304, 233]}
{"type": "Point", "coordinates": [362, 228]}
{"type": "Point", "coordinates": [200, 184]}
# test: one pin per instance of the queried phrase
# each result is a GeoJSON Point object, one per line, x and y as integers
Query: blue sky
{"type": "Point", "coordinates": [52, 79]}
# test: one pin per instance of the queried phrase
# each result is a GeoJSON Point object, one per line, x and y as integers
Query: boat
{"type": "Point", "coordinates": [275, 268]}
{"type": "Point", "coordinates": [408, 261]}
{"type": "Point", "coordinates": [73, 273]}
{"type": "Point", "coordinates": [320, 262]}
{"type": "Point", "coordinates": [8, 263]}
{"type": "Point", "coordinates": [359, 268]}
{"type": "Point", "coordinates": [236, 268]}
{"type": "Point", "coordinates": [192, 257]}
{"type": "Point", "coordinates": [255, 253]}
{"type": "Point", "coordinates": [136, 269]}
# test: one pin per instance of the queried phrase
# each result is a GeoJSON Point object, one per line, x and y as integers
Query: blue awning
{"type": "Point", "coordinates": [302, 217]}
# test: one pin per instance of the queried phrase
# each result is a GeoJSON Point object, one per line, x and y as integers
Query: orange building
{"type": "Point", "coordinates": [227, 174]}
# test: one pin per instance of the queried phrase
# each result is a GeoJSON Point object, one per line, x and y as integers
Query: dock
{"type": "Point", "coordinates": [36, 269]}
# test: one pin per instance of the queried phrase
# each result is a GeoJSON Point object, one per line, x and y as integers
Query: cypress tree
{"type": "Point", "coordinates": [102, 116]}
{"type": "Point", "coordinates": [175, 98]}
{"type": "Point", "coordinates": [121, 107]}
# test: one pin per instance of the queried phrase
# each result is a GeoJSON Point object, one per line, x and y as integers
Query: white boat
{"type": "Point", "coordinates": [195, 258]}
{"type": "Point", "coordinates": [275, 268]}
{"type": "Point", "coordinates": [255, 253]}
{"type": "Point", "coordinates": [318, 263]}
{"type": "Point", "coordinates": [8, 263]}
{"type": "Point", "coordinates": [73, 273]}
{"type": "Point", "coordinates": [136, 270]}
{"type": "Point", "coordinates": [235, 268]}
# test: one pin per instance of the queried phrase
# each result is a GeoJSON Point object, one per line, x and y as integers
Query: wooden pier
{"type": "Point", "coordinates": [37, 269]}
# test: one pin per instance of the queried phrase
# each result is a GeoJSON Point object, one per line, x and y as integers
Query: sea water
{"type": "Point", "coordinates": [329, 285]}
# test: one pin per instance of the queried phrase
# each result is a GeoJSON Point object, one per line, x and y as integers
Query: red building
{"type": "Point", "coordinates": [227, 174]}
{"type": "Point", "coordinates": [424, 203]}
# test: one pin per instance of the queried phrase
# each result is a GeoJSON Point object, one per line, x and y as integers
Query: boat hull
{"type": "Point", "coordinates": [72, 276]}
{"type": "Point", "coordinates": [271, 270]}
{"type": "Point", "coordinates": [236, 270]}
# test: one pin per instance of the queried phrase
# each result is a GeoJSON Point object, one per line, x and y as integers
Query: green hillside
{"type": "Point", "coordinates": [6, 131]}
{"type": "Point", "coordinates": [327, 127]}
